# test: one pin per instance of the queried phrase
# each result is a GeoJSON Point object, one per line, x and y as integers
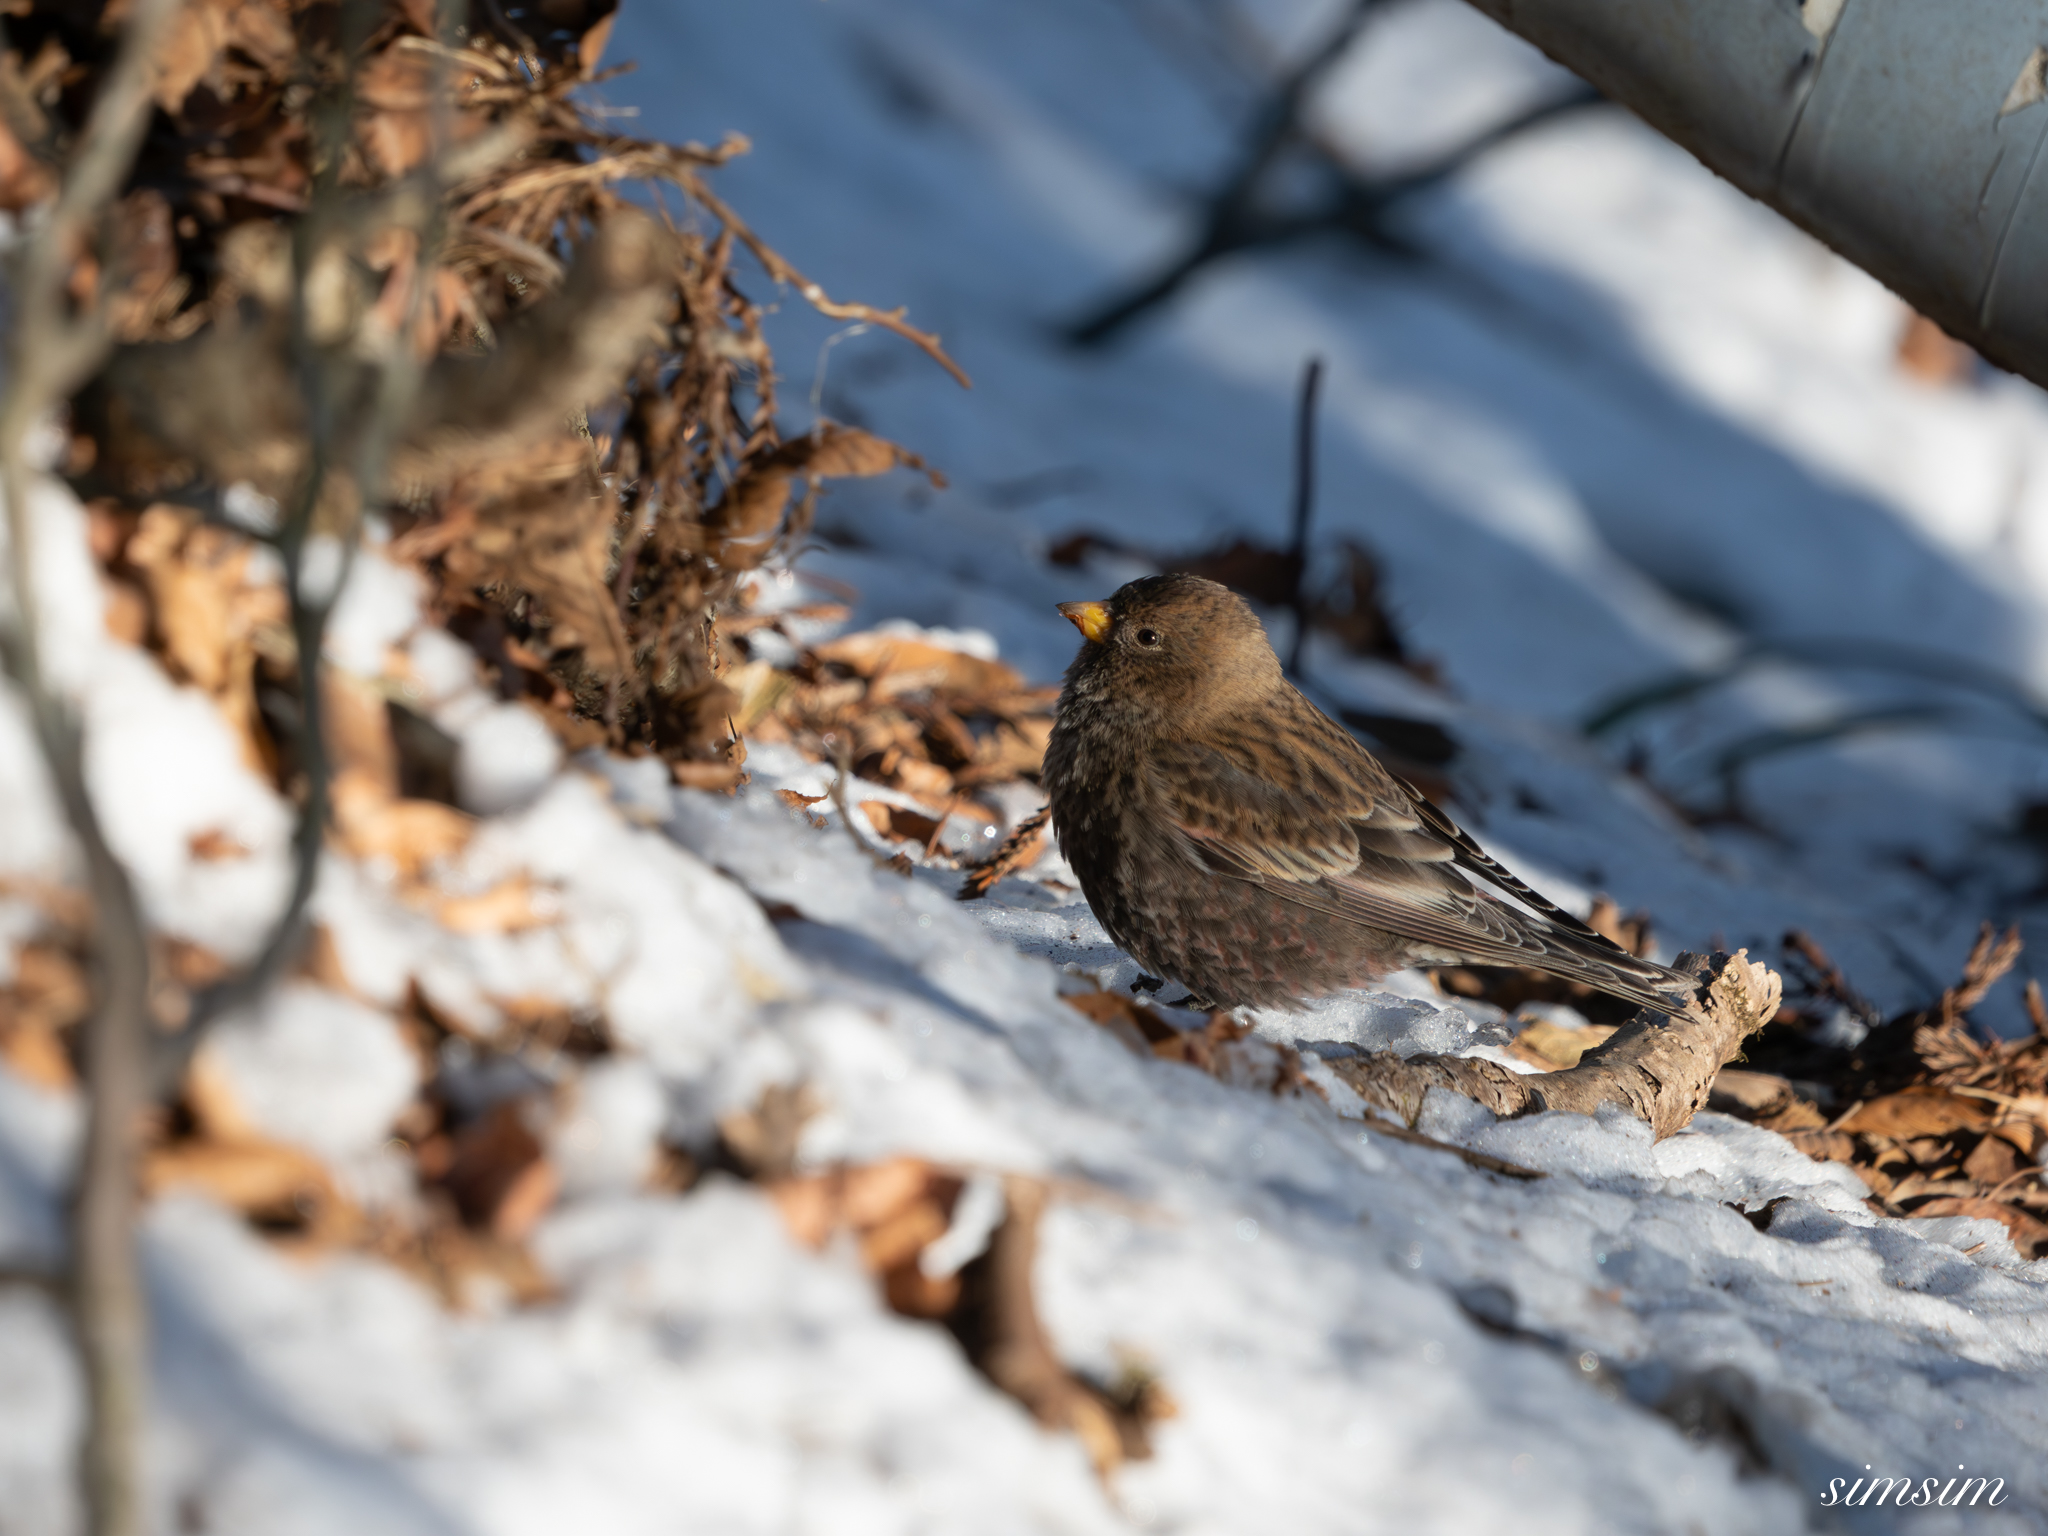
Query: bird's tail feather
{"type": "Point", "coordinates": [1608, 968]}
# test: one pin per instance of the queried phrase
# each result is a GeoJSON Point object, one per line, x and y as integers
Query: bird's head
{"type": "Point", "coordinates": [1176, 647]}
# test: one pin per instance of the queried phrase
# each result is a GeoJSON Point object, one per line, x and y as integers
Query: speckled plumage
{"type": "Point", "coordinates": [1233, 838]}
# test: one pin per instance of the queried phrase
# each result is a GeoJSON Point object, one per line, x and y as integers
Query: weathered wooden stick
{"type": "Point", "coordinates": [1658, 1070]}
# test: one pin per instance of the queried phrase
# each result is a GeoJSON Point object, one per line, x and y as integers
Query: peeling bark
{"type": "Point", "coordinates": [1659, 1071]}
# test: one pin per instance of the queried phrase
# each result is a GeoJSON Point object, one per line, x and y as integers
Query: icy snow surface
{"type": "Point", "coordinates": [1625, 422]}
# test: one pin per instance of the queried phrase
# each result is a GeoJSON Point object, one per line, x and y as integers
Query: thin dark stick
{"type": "Point", "coordinates": [1382, 1126]}
{"type": "Point", "coordinates": [286, 937]}
{"type": "Point", "coordinates": [842, 756]}
{"type": "Point", "coordinates": [1304, 503]}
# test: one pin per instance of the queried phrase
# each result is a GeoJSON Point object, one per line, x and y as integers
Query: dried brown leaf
{"type": "Point", "coordinates": [497, 1172]}
{"type": "Point", "coordinates": [24, 179]}
{"type": "Point", "coordinates": [1992, 1162]}
{"type": "Point", "coordinates": [508, 907]}
{"type": "Point", "coordinates": [411, 834]}
{"type": "Point", "coordinates": [1223, 1048]}
{"type": "Point", "coordinates": [34, 1052]}
{"type": "Point", "coordinates": [743, 523]}
{"type": "Point", "coordinates": [1553, 1047]}
{"type": "Point", "coordinates": [906, 664]}
{"type": "Point", "coordinates": [1920, 1111]}
{"type": "Point", "coordinates": [590, 47]}
{"type": "Point", "coordinates": [898, 824]}
{"type": "Point", "coordinates": [763, 1140]}
{"type": "Point", "coordinates": [187, 54]}
{"type": "Point", "coordinates": [1751, 1095]}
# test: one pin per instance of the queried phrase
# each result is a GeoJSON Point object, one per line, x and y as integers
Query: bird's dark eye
{"type": "Point", "coordinates": [1147, 637]}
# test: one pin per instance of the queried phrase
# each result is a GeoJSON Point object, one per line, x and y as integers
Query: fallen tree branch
{"type": "Point", "coordinates": [1658, 1071]}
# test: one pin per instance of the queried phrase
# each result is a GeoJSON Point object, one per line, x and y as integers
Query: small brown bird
{"type": "Point", "coordinates": [1231, 837]}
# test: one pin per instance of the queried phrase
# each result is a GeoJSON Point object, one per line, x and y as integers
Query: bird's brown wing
{"type": "Point", "coordinates": [1308, 813]}
{"type": "Point", "coordinates": [1324, 825]}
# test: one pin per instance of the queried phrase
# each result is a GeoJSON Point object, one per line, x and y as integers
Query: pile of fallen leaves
{"type": "Point", "coordinates": [1938, 1120]}
{"type": "Point", "coordinates": [591, 465]}
{"type": "Point", "coordinates": [937, 724]}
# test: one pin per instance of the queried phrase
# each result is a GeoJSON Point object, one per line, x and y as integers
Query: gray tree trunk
{"type": "Point", "coordinates": [1907, 136]}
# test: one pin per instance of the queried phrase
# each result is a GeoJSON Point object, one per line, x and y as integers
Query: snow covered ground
{"type": "Point", "coordinates": [1623, 423]}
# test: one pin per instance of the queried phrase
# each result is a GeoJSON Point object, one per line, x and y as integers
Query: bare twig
{"type": "Point", "coordinates": [842, 757]}
{"type": "Point", "coordinates": [1304, 504]}
{"type": "Point", "coordinates": [782, 272]}
{"type": "Point", "coordinates": [2018, 1178]}
{"type": "Point", "coordinates": [1990, 958]}
{"type": "Point", "coordinates": [1394, 1131]}
{"type": "Point", "coordinates": [525, 44]}
{"type": "Point", "coordinates": [544, 266]}
{"type": "Point", "coordinates": [931, 844]}
{"type": "Point", "coordinates": [1832, 982]}
{"type": "Point", "coordinates": [51, 351]}
{"type": "Point", "coordinates": [626, 161]}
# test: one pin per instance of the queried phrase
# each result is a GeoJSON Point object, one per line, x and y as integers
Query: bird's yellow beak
{"type": "Point", "coordinates": [1092, 619]}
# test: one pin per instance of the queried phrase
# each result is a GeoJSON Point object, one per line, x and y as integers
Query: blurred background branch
{"type": "Point", "coordinates": [52, 347]}
{"type": "Point", "coordinates": [1246, 211]}
{"type": "Point", "coordinates": [347, 460]}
